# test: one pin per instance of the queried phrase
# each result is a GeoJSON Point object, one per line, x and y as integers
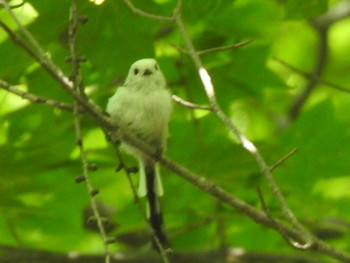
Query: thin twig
{"type": "Point", "coordinates": [74, 59]}
{"type": "Point", "coordinates": [44, 60]}
{"type": "Point", "coordinates": [248, 145]}
{"type": "Point", "coordinates": [289, 240]}
{"type": "Point", "coordinates": [282, 161]}
{"type": "Point", "coordinates": [57, 74]}
{"type": "Point", "coordinates": [35, 44]}
{"type": "Point", "coordinates": [77, 86]}
{"type": "Point", "coordinates": [312, 76]}
{"type": "Point", "coordinates": [224, 48]}
{"type": "Point", "coordinates": [320, 63]}
{"type": "Point", "coordinates": [189, 104]}
{"type": "Point", "coordinates": [37, 99]}
{"type": "Point", "coordinates": [214, 49]}
{"type": "Point", "coordinates": [145, 14]}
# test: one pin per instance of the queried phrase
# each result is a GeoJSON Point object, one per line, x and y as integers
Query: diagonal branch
{"type": "Point", "coordinates": [248, 145]}
{"type": "Point", "coordinates": [283, 160]}
{"type": "Point", "coordinates": [147, 15]}
{"type": "Point", "coordinates": [312, 76]}
{"type": "Point", "coordinates": [224, 48]}
{"type": "Point", "coordinates": [57, 74]}
{"type": "Point", "coordinates": [37, 99]}
{"type": "Point", "coordinates": [214, 49]}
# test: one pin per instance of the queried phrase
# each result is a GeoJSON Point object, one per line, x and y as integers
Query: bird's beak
{"type": "Point", "coordinates": [147, 72]}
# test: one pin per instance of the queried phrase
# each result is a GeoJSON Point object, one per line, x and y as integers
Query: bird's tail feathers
{"type": "Point", "coordinates": [158, 185]}
{"type": "Point", "coordinates": [153, 190]}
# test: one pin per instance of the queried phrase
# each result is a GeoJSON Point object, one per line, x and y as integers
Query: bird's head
{"type": "Point", "coordinates": [145, 73]}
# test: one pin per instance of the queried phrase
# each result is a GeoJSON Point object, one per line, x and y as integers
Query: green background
{"type": "Point", "coordinates": [42, 207]}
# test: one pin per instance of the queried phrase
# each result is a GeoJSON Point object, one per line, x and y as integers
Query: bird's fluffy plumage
{"type": "Point", "coordinates": [143, 107]}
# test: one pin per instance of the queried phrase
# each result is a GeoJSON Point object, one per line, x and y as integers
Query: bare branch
{"type": "Point", "coordinates": [58, 75]}
{"type": "Point", "coordinates": [248, 145]}
{"type": "Point", "coordinates": [38, 99]}
{"type": "Point", "coordinates": [34, 43]}
{"type": "Point", "coordinates": [214, 49]}
{"type": "Point", "coordinates": [232, 254]}
{"type": "Point", "coordinates": [321, 58]}
{"type": "Point", "coordinates": [190, 104]}
{"type": "Point", "coordinates": [77, 86]}
{"type": "Point", "coordinates": [321, 25]}
{"type": "Point", "coordinates": [282, 161]}
{"type": "Point", "coordinates": [145, 14]}
{"type": "Point", "coordinates": [312, 76]}
{"type": "Point", "coordinates": [75, 59]}
{"type": "Point", "coordinates": [290, 240]}
{"type": "Point", "coordinates": [224, 48]}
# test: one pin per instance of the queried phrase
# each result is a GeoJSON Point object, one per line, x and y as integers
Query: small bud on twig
{"type": "Point", "coordinates": [79, 142]}
{"type": "Point", "coordinates": [92, 167]}
{"type": "Point", "coordinates": [94, 192]}
{"type": "Point", "coordinates": [80, 179]}
{"type": "Point", "coordinates": [119, 167]}
{"type": "Point", "coordinates": [110, 240]}
{"type": "Point", "coordinates": [83, 19]}
{"type": "Point", "coordinates": [91, 219]}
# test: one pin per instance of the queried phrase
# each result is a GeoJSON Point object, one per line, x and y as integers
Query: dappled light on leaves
{"type": "Point", "coordinates": [97, 2]}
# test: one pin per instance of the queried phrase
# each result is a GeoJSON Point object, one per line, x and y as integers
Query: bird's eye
{"type": "Point", "coordinates": [156, 67]}
{"type": "Point", "coordinates": [136, 71]}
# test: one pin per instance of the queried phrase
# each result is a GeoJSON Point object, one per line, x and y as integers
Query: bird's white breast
{"type": "Point", "coordinates": [145, 114]}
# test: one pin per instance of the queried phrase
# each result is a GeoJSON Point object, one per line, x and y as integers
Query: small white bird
{"type": "Point", "coordinates": [143, 106]}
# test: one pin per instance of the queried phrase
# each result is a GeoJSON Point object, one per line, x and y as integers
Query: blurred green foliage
{"type": "Point", "coordinates": [44, 207]}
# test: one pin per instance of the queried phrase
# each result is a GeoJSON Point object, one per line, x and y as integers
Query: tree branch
{"type": "Point", "coordinates": [239, 255]}
{"type": "Point", "coordinates": [224, 48]}
{"type": "Point", "coordinates": [282, 161]}
{"type": "Point", "coordinates": [76, 78]}
{"type": "Point", "coordinates": [91, 108]}
{"type": "Point", "coordinates": [320, 63]}
{"type": "Point", "coordinates": [145, 14]}
{"type": "Point", "coordinates": [321, 25]}
{"type": "Point", "coordinates": [214, 49]}
{"type": "Point", "coordinates": [312, 76]}
{"type": "Point", "coordinates": [189, 104]}
{"type": "Point", "coordinates": [37, 99]}
{"type": "Point", "coordinates": [248, 145]}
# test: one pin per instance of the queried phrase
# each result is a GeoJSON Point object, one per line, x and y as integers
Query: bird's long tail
{"type": "Point", "coordinates": [153, 192]}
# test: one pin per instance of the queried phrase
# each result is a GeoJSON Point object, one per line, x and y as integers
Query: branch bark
{"type": "Point", "coordinates": [238, 255]}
